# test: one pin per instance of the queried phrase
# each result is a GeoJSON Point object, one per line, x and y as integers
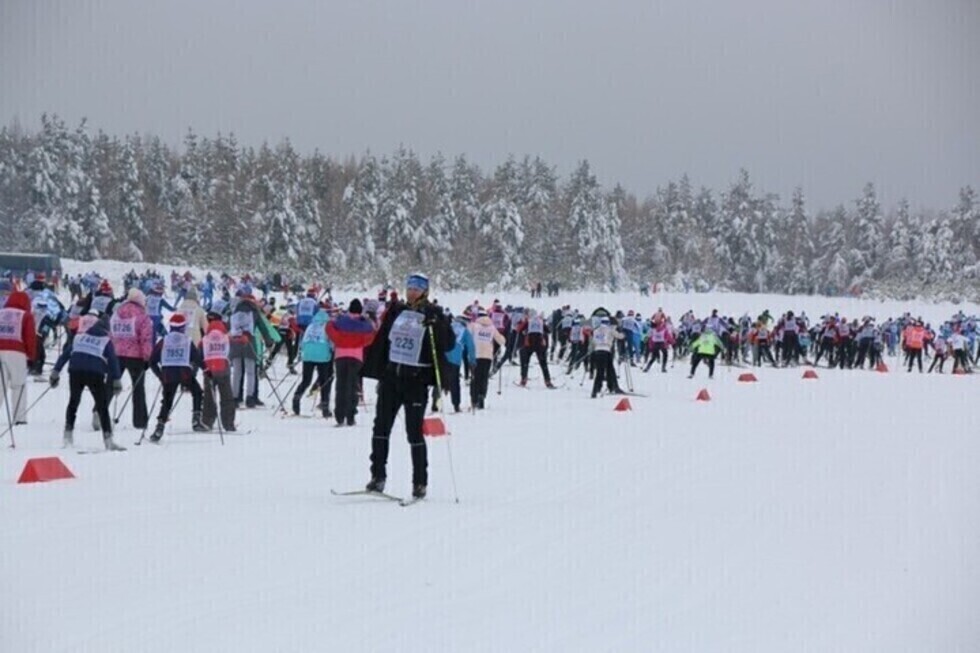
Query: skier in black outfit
{"type": "Point", "coordinates": [400, 358]}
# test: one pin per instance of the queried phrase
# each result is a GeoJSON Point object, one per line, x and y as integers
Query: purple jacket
{"type": "Point", "coordinates": [135, 342]}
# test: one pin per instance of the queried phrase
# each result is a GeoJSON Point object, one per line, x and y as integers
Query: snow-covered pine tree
{"type": "Point", "coordinates": [185, 234]}
{"type": "Point", "coordinates": [937, 252]}
{"type": "Point", "coordinates": [869, 236]}
{"type": "Point", "coordinates": [130, 232]}
{"type": "Point", "coordinates": [797, 247]}
{"type": "Point", "coordinates": [599, 255]}
{"type": "Point", "coordinates": [362, 203]}
{"type": "Point", "coordinates": [501, 230]}
{"type": "Point", "coordinates": [833, 264]}
{"type": "Point", "coordinates": [730, 236]}
{"type": "Point", "coordinates": [545, 240]}
{"type": "Point", "coordinates": [464, 185]}
{"type": "Point", "coordinates": [399, 216]}
{"type": "Point", "coordinates": [439, 224]}
{"type": "Point", "coordinates": [900, 262]}
{"type": "Point", "coordinates": [965, 247]}
{"type": "Point", "coordinates": [762, 260]}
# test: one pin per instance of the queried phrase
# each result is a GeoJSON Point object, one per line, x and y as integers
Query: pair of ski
{"type": "Point", "coordinates": [94, 451]}
{"type": "Point", "coordinates": [554, 386]}
{"type": "Point", "coordinates": [381, 495]}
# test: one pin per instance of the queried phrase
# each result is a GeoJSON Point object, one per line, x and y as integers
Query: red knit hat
{"type": "Point", "coordinates": [178, 321]}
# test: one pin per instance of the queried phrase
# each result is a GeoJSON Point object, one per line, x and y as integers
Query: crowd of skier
{"type": "Point", "coordinates": [216, 340]}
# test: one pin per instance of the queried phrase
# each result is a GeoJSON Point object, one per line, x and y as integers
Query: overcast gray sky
{"type": "Point", "coordinates": [827, 94]}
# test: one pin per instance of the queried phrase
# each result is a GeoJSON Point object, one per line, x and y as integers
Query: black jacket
{"type": "Point", "coordinates": [376, 355]}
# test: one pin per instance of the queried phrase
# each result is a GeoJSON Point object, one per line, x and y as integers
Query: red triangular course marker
{"type": "Point", "coordinates": [810, 374]}
{"type": "Point", "coordinates": [881, 367]}
{"type": "Point", "coordinates": [623, 405]}
{"type": "Point", "coordinates": [747, 377]}
{"type": "Point", "coordinates": [703, 395]}
{"type": "Point", "coordinates": [959, 370]}
{"type": "Point", "coordinates": [434, 427]}
{"type": "Point", "coordinates": [38, 470]}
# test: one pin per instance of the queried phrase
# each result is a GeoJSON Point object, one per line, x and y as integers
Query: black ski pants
{"type": "Point", "coordinates": [542, 355]}
{"type": "Point", "coordinates": [137, 374]}
{"type": "Point", "coordinates": [95, 382]}
{"type": "Point", "coordinates": [481, 378]}
{"type": "Point", "coordinates": [348, 372]}
{"type": "Point", "coordinates": [399, 387]}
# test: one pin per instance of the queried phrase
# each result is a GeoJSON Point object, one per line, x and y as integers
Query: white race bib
{"type": "Point", "coordinates": [575, 335]}
{"type": "Point", "coordinates": [242, 322]}
{"type": "Point", "coordinates": [91, 345]}
{"type": "Point", "coordinates": [216, 346]}
{"type": "Point", "coordinates": [535, 325]}
{"type": "Point", "coordinates": [498, 320]}
{"type": "Point", "coordinates": [314, 334]}
{"type": "Point", "coordinates": [101, 302]}
{"type": "Point", "coordinates": [485, 334]}
{"type": "Point", "coordinates": [176, 351]}
{"type": "Point", "coordinates": [10, 321]}
{"type": "Point", "coordinates": [306, 308]}
{"type": "Point", "coordinates": [153, 305]}
{"type": "Point", "coordinates": [122, 328]}
{"type": "Point", "coordinates": [406, 338]}
{"type": "Point", "coordinates": [602, 336]}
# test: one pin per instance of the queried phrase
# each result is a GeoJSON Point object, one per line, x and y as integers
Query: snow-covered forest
{"type": "Point", "coordinates": [365, 221]}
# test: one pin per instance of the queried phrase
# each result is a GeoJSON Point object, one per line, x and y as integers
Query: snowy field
{"type": "Point", "coordinates": [837, 514]}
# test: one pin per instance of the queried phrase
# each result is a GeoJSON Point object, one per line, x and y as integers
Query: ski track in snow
{"type": "Point", "coordinates": [784, 515]}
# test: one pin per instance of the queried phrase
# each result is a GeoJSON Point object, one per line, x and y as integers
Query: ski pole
{"type": "Point", "coordinates": [33, 403]}
{"type": "Point", "coordinates": [217, 406]}
{"type": "Point", "coordinates": [139, 379]}
{"type": "Point", "coordinates": [173, 409]}
{"type": "Point", "coordinates": [150, 415]}
{"type": "Point", "coordinates": [282, 400]}
{"type": "Point", "coordinates": [6, 403]}
{"type": "Point", "coordinates": [449, 447]}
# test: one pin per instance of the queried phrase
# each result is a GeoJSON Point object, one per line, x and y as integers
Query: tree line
{"type": "Point", "coordinates": [364, 221]}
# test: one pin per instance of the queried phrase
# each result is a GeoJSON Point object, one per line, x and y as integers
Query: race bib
{"type": "Point", "coordinates": [242, 322]}
{"type": "Point", "coordinates": [90, 345]}
{"type": "Point", "coordinates": [575, 335]}
{"type": "Point", "coordinates": [602, 337]}
{"type": "Point", "coordinates": [314, 335]}
{"type": "Point", "coordinates": [535, 325]}
{"type": "Point", "coordinates": [176, 351]}
{"type": "Point", "coordinates": [484, 335]}
{"type": "Point", "coordinates": [122, 328]}
{"type": "Point", "coordinates": [153, 305]}
{"type": "Point", "coordinates": [498, 320]}
{"type": "Point", "coordinates": [10, 321]}
{"type": "Point", "coordinates": [306, 308]}
{"type": "Point", "coordinates": [406, 338]}
{"type": "Point", "coordinates": [101, 302]}
{"type": "Point", "coordinates": [216, 346]}
{"type": "Point", "coordinates": [658, 335]}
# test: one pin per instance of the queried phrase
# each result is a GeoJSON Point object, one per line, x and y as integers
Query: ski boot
{"type": "Point", "coordinates": [68, 441]}
{"type": "Point", "coordinates": [376, 484]}
{"type": "Point", "coordinates": [197, 425]}
{"type": "Point", "coordinates": [110, 444]}
{"type": "Point", "coordinates": [158, 432]}
{"type": "Point", "coordinates": [418, 491]}
{"type": "Point", "coordinates": [296, 399]}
